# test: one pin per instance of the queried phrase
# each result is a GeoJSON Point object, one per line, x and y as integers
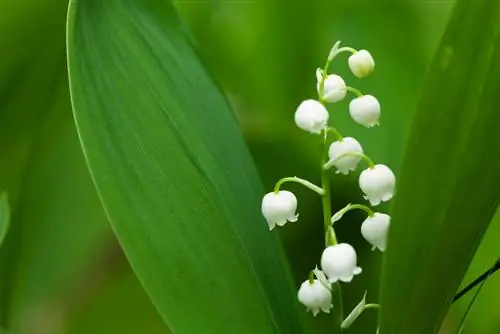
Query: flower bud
{"type": "Point", "coordinates": [335, 88]}
{"type": "Point", "coordinates": [361, 63]}
{"type": "Point", "coordinates": [315, 297]}
{"type": "Point", "coordinates": [342, 146]}
{"type": "Point", "coordinates": [365, 110]}
{"type": "Point", "coordinates": [378, 184]}
{"type": "Point", "coordinates": [311, 116]}
{"type": "Point", "coordinates": [278, 208]}
{"type": "Point", "coordinates": [375, 229]}
{"type": "Point", "coordinates": [339, 262]}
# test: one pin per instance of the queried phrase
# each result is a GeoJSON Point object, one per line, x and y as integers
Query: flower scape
{"type": "Point", "coordinates": [377, 182]}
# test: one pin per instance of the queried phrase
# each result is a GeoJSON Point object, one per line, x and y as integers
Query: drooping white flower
{"type": "Point", "coordinates": [365, 110]}
{"type": "Point", "coordinates": [315, 297]}
{"type": "Point", "coordinates": [278, 208]}
{"type": "Point", "coordinates": [339, 262]}
{"type": "Point", "coordinates": [378, 184]}
{"type": "Point", "coordinates": [375, 229]}
{"type": "Point", "coordinates": [311, 116]}
{"type": "Point", "coordinates": [361, 63]}
{"type": "Point", "coordinates": [335, 88]}
{"type": "Point", "coordinates": [343, 146]}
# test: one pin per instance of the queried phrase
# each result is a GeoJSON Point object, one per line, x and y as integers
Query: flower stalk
{"type": "Point", "coordinates": [377, 182]}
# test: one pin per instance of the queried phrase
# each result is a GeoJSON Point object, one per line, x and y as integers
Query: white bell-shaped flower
{"type": "Point", "coordinates": [315, 297]}
{"type": "Point", "coordinates": [375, 229]}
{"type": "Point", "coordinates": [339, 262]}
{"type": "Point", "coordinates": [335, 88]}
{"type": "Point", "coordinates": [378, 183]}
{"type": "Point", "coordinates": [341, 147]}
{"type": "Point", "coordinates": [278, 208]}
{"type": "Point", "coordinates": [311, 116]}
{"type": "Point", "coordinates": [365, 110]}
{"type": "Point", "coordinates": [361, 63]}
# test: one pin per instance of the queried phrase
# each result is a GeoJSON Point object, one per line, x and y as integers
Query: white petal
{"type": "Point", "coordinates": [365, 110]}
{"type": "Point", "coordinates": [378, 183]}
{"type": "Point", "coordinates": [341, 147]}
{"type": "Point", "coordinates": [346, 279]}
{"type": "Point", "coordinates": [315, 296]}
{"type": "Point", "coordinates": [311, 116]}
{"type": "Point", "coordinates": [375, 230]}
{"type": "Point", "coordinates": [335, 88]}
{"type": "Point", "coordinates": [279, 207]}
{"type": "Point", "coordinates": [361, 63]}
{"type": "Point", "coordinates": [339, 262]}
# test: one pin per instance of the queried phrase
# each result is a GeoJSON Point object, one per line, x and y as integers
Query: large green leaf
{"type": "Point", "coordinates": [56, 218]}
{"type": "Point", "coordinates": [173, 172]}
{"type": "Point", "coordinates": [449, 185]}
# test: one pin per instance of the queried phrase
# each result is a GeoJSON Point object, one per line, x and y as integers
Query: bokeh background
{"type": "Point", "coordinates": [65, 273]}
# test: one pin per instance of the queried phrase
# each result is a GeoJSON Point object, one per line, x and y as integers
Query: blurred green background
{"type": "Point", "coordinates": [61, 270]}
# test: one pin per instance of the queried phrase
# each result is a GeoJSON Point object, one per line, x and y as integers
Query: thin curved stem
{"type": "Point", "coordinates": [342, 49]}
{"type": "Point", "coordinates": [303, 182]}
{"type": "Point", "coordinates": [354, 90]}
{"type": "Point", "coordinates": [335, 132]}
{"type": "Point", "coordinates": [374, 306]}
{"type": "Point", "coordinates": [361, 207]}
{"type": "Point", "coordinates": [339, 214]}
{"type": "Point", "coordinates": [331, 163]}
{"type": "Point", "coordinates": [330, 237]}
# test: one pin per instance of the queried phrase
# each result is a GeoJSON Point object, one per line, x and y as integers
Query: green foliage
{"type": "Point", "coordinates": [449, 183]}
{"type": "Point", "coordinates": [173, 172]}
{"type": "Point", "coordinates": [152, 123]}
{"type": "Point", "coordinates": [4, 216]}
{"type": "Point", "coordinates": [56, 220]}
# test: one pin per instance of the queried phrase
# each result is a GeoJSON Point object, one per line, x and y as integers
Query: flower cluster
{"type": "Point", "coordinates": [377, 182]}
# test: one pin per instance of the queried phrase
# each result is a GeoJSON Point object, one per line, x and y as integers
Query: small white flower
{"type": "Point", "coordinates": [365, 110]}
{"type": "Point", "coordinates": [340, 147]}
{"type": "Point", "coordinates": [335, 88]}
{"type": "Point", "coordinates": [315, 297]}
{"type": "Point", "coordinates": [378, 184]}
{"type": "Point", "coordinates": [361, 63]}
{"type": "Point", "coordinates": [339, 262]}
{"type": "Point", "coordinates": [278, 208]}
{"type": "Point", "coordinates": [375, 229]}
{"type": "Point", "coordinates": [311, 116]}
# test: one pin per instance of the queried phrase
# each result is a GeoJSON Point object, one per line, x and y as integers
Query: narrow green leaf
{"type": "Point", "coordinates": [173, 172]}
{"type": "Point", "coordinates": [4, 216]}
{"type": "Point", "coordinates": [449, 185]}
{"type": "Point", "coordinates": [355, 313]}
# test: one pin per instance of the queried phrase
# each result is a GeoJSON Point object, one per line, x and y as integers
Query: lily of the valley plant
{"type": "Point", "coordinates": [338, 262]}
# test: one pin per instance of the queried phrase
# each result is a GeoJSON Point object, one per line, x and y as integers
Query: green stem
{"type": "Point", "coordinates": [354, 90]}
{"type": "Point", "coordinates": [339, 315]}
{"type": "Point", "coordinates": [363, 156]}
{"type": "Point", "coordinates": [303, 182]}
{"type": "Point", "coordinates": [342, 49]}
{"type": "Point", "coordinates": [311, 277]}
{"type": "Point", "coordinates": [339, 214]}
{"type": "Point", "coordinates": [335, 132]}
{"type": "Point", "coordinates": [361, 207]}
{"type": "Point", "coordinates": [369, 306]}
{"type": "Point", "coordinates": [330, 237]}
